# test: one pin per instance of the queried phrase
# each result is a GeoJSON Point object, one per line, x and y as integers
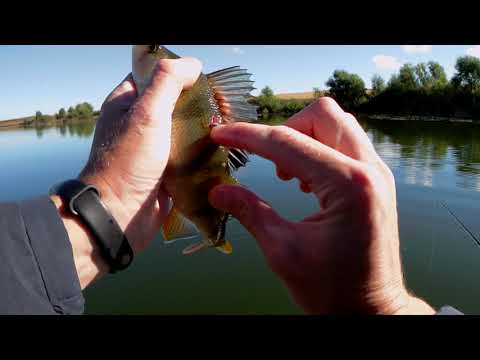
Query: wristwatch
{"type": "Point", "coordinates": [84, 202]}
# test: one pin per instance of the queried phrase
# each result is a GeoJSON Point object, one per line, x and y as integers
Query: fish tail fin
{"type": "Point", "coordinates": [232, 87]}
{"type": "Point", "coordinates": [176, 227]}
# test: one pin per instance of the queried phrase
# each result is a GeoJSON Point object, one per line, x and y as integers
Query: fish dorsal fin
{"type": "Point", "coordinates": [236, 158]}
{"type": "Point", "coordinates": [231, 88]}
{"type": "Point", "coordinates": [177, 227]}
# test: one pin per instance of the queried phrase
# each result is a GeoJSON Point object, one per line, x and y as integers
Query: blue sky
{"type": "Point", "coordinates": [46, 78]}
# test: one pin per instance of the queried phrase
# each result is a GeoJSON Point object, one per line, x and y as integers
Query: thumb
{"type": "Point", "coordinates": [170, 76]}
{"type": "Point", "coordinates": [260, 219]}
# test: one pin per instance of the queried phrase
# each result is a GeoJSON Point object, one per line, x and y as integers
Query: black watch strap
{"type": "Point", "coordinates": [84, 201]}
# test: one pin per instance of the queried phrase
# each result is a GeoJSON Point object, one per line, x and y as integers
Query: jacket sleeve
{"type": "Point", "coordinates": [448, 310]}
{"type": "Point", "coordinates": [37, 270]}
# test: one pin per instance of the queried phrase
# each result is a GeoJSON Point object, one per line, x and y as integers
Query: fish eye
{"type": "Point", "coordinates": [153, 48]}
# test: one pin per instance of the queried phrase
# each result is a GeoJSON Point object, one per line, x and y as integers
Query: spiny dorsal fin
{"type": "Point", "coordinates": [236, 158]}
{"type": "Point", "coordinates": [233, 86]}
{"type": "Point", "coordinates": [177, 227]}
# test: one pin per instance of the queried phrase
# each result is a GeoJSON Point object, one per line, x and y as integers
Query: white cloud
{"type": "Point", "coordinates": [417, 49]}
{"type": "Point", "coordinates": [386, 62]}
{"type": "Point", "coordinates": [474, 51]}
{"type": "Point", "coordinates": [237, 50]}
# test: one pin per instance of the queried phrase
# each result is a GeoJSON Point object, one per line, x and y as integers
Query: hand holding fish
{"type": "Point", "coordinates": [129, 154]}
{"type": "Point", "coordinates": [345, 258]}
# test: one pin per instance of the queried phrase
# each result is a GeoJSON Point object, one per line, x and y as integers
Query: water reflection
{"type": "Point", "coordinates": [80, 128]}
{"type": "Point", "coordinates": [429, 153]}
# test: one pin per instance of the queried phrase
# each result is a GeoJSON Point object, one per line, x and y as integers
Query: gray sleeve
{"type": "Point", "coordinates": [448, 310]}
{"type": "Point", "coordinates": [37, 270]}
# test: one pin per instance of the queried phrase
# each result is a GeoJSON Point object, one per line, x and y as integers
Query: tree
{"type": "Point", "coordinates": [317, 92]}
{"type": "Point", "coordinates": [430, 76]}
{"type": "Point", "coordinates": [71, 112]}
{"type": "Point", "coordinates": [378, 85]}
{"type": "Point", "coordinates": [346, 88]}
{"type": "Point", "coordinates": [468, 73]}
{"type": "Point", "coordinates": [407, 77]}
{"type": "Point", "coordinates": [267, 92]}
{"type": "Point", "coordinates": [38, 116]}
{"type": "Point", "coordinates": [61, 113]}
{"type": "Point", "coordinates": [268, 101]}
{"type": "Point", "coordinates": [84, 110]}
{"type": "Point", "coordinates": [437, 74]}
{"type": "Point", "coordinates": [423, 76]}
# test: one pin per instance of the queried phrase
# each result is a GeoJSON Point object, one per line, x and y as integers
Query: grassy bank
{"type": "Point", "coordinates": [14, 123]}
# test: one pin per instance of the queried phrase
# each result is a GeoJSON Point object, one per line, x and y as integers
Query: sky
{"type": "Point", "coordinates": [46, 78]}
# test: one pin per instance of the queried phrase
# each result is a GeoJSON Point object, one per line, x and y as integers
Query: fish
{"type": "Point", "coordinates": [196, 164]}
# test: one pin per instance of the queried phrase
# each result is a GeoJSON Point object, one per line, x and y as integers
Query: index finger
{"type": "Point", "coordinates": [325, 121]}
{"type": "Point", "coordinates": [292, 151]}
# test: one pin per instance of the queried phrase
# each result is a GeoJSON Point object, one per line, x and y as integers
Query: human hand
{"type": "Point", "coordinates": [345, 258]}
{"type": "Point", "coordinates": [130, 151]}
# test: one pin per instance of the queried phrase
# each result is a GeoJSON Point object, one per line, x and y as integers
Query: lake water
{"type": "Point", "coordinates": [435, 165]}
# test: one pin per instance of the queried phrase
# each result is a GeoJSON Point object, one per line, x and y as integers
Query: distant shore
{"type": "Point", "coordinates": [14, 123]}
{"type": "Point", "coordinates": [419, 118]}
{"type": "Point", "coordinates": [29, 123]}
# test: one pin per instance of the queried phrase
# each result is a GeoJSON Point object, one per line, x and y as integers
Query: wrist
{"type": "Point", "coordinates": [88, 260]}
{"type": "Point", "coordinates": [110, 199]}
{"type": "Point", "coordinates": [394, 299]}
{"type": "Point", "coordinates": [415, 306]}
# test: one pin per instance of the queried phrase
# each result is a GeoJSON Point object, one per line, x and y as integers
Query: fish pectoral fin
{"type": "Point", "coordinates": [201, 245]}
{"type": "Point", "coordinates": [226, 248]}
{"type": "Point", "coordinates": [177, 227]}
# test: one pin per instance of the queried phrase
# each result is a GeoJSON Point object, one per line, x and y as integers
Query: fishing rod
{"type": "Point", "coordinates": [461, 223]}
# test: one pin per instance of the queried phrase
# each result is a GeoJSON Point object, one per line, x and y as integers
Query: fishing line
{"type": "Point", "coordinates": [460, 223]}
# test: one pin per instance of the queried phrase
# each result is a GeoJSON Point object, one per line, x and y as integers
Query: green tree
{"type": "Point", "coordinates": [61, 113]}
{"type": "Point", "coordinates": [407, 77]}
{"type": "Point", "coordinates": [317, 92]}
{"type": "Point", "coordinates": [268, 102]}
{"type": "Point", "coordinates": [430, 76]}
{"type": "Point", "coordinates": [423, 76]}
{"type": "Point", "coordinates": [267, 92]}
{"type": "Point", "coordinates": [378, 84]}
{"type": "Point", "coordinates": [468, 73]}
{"type": "Point", "coordinates": [346, 88]}
{"type": "Point", "coordinates": [437, 75]}
{"type": "Point", "coordinates": [71, 112]}
{"type": "Point", "coordinates": [84, 110]}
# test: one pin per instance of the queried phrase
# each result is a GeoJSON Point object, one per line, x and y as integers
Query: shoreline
{"type": "Point", "coordinates": [424, 118]}
{"type": "Point", "coordinates": [27, 123]}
